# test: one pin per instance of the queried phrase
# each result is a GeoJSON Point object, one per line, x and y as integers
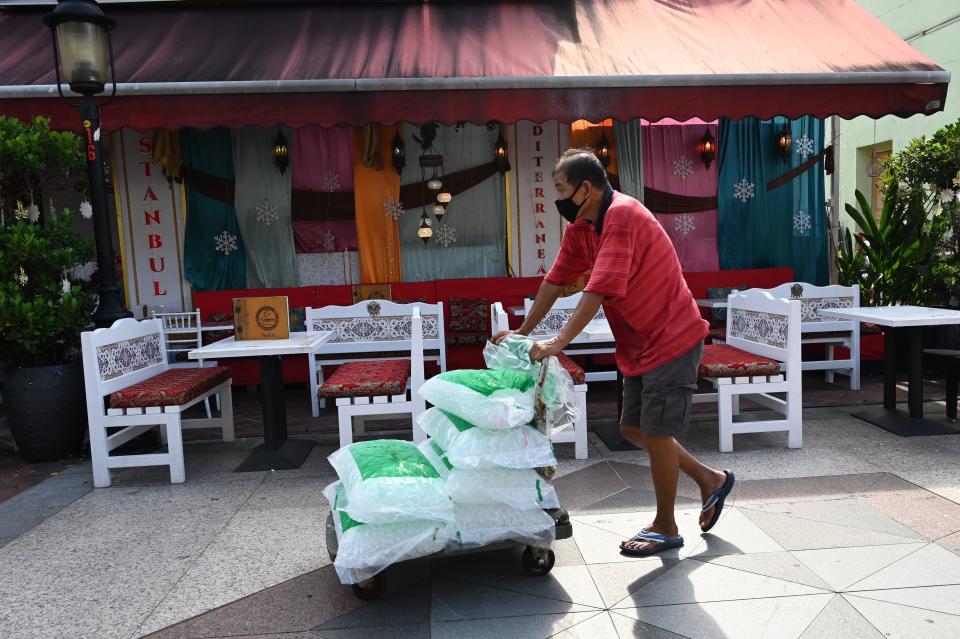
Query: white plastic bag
{"type": "Point", "coordinates": [494, 399]}
{"type": "Point", "coordinates": [469, 447]}
{"type": "Point", "coordinates": [436, 455]}
{"type": "Point", "coordinates": [522, 489]}
{"type": "Point", "coordinates": [480, 525]}
{"type": "Point", "coordinates": [363, 550]}
{"type": "Point", "coordinates": [513, 353]}
{"type": "Point", "coordinates": [389, 480]}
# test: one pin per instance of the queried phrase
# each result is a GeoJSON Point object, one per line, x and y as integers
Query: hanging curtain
{"type": "Point", "coordinates": [630, 156]}
{"type": "Point", "coordinates": [672, 167]}
{"type": "Point", "coordinates": [213, 250]}
{"type": "Point", "coordinates": [376, 192]}
{"type": "Point", "coordinates": [262, 200]}
{"type": "Point", "coordinates": [785, 226]}
{"type": "Point", "coordinates": [475, 220]}
{"type": "Point", "coordinates": [322, 166]}
{"type": "Point", "coordinates": [166, 152]}
{"type": "Point", "coordinates": [586, 135]}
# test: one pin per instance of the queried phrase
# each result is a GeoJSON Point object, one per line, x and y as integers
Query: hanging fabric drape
{"type": "Point", "coordinates": [470, 239]}
{"type": "Point", "coordinates": [586, 135]}
{"type": "Point", "coordinates": [213, 250]}
{"type": "Point", "coordinates": [166, 152]}
{"type": "Point", "coordinates": [629, 149]}
{"type": "Point", "coordinates": [262, 199]}
{"type": "Point", "coordinates": [322, 167]}
{"type": "Point", "coordinates": [785, 226]}
{"type": "Point", "coordinates": [376, 193]}
{"type": "Point", "coordinates": [672, 168]}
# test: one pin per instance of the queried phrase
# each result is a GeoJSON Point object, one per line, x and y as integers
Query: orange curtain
{"type": "Point", "coordinates": [587, 134]}
{"type": "Point", "coordinates": [377, 235]}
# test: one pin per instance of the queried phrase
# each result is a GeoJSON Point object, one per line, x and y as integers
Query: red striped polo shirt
{"type": "Point", "coordinates": [633, 264]}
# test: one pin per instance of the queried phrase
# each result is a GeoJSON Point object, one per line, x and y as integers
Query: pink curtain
{"type": "Point", "coordinates": [671, 163]}
{"type": "Point", "coordinates": [322, 163]}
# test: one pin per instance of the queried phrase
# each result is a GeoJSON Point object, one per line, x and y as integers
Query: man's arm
{"type": "Point", "coordinates": [586, 309]}
{"type": "Point", "coordinates": [547, 294]}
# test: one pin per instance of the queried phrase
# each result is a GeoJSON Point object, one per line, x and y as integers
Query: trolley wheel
{"type": "Point", "coordinates": [538, 561]}
{"type": "Point", "coordinates": [372, 588]}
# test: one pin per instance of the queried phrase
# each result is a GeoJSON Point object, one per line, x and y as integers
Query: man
{"type": "Point", "coordinates": [635, 274]}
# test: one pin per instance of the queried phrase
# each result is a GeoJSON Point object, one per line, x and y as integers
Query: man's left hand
{"type": "Point", "coordinates": [545, 348]}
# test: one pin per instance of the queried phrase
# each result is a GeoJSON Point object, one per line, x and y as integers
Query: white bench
{"type": "Point", "coordinates": [376, 386]}
{"type": "Point", "coordinates": [359, 334]}
{"type": "Point", "coordinates": [578, 434]}
{"type": "Point", "coordinates": [815, 329]}
{"type": "Point", "coordinates": [761, 356]}
{"type": "Point", "coordinates": [127, 365]}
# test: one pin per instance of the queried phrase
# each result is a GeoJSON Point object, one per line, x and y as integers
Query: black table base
{"type": "Point", "coordinates": [277, 451]}
{"type": "Point", "coordinates": [899, 422]}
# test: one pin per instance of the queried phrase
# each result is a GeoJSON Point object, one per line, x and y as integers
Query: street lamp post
{"type": "Point", "coordinates": [83, 50]}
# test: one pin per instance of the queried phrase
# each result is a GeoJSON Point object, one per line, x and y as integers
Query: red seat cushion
{"type": "Point", "coordinates": [173, 387]}
{"type": "Point", "coordinates": [576, 371]}
{"type": "Point", "coordinates": [723, 360]}
{"type": "Point", "coordinates": [368, 378]}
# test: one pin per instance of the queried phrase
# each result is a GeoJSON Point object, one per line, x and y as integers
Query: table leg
{"type": "Point", "coordinates": [277, 452]}
{"type": "Point", "coordinates": [915, 392]}
{"type": "Point", "coordinates": [890, 368]}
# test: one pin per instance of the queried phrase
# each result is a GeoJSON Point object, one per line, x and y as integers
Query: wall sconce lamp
{"type": "Point", "coordinates": [784, 143]}
{"type": "Point", "coordinates": [281, 152]}
{"type": "Point", "coordinates": [603, 151]}
{"type": "Point", "coordinates": [398, 153]}
{"type": "Point", "coordinates": [707, 148]}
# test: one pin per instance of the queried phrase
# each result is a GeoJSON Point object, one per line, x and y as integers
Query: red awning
{"type": "Point", "coordinates": [355, 63]}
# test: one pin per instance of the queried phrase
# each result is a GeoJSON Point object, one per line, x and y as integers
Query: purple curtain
{"type": "Point", "coordinates": [323, 163]}
{"type": "Point", "coordinates": [672, 164]}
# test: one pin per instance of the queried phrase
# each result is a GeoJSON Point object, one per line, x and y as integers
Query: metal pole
{"type": "Point", "coordinates": [111, 306]}
{"type": "Point", "coordinates": [833, 240]}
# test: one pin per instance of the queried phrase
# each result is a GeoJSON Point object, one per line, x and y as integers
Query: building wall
{"type": "Point", "coordinates": [933, 28]}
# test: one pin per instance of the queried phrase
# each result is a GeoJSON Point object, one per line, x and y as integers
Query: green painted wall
{"type": "Point", "coordinates": [932, 27]}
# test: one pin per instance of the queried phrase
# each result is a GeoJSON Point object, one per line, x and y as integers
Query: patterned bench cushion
{"type": "Point", "coordinates": [722, 360]}
{"type": "Point", "coordinates": [174, 387]}
{"type": "Point", "coordinates": [576, 371]}
{"type": "Point", "coordinates": [367, 378]}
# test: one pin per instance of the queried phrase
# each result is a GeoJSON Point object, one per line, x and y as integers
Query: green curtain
{"type": "Point", "coordinates": [213, 251]}
{"type": "Point", "coordinates": [630, 157]}
{"type": "Point", "coordinates": [477, 216]}
{"type": "Point", "coordinates": [785, 226]}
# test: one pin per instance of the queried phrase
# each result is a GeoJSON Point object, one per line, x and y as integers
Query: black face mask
{"type": "Point", "coordinates": [568, 209]}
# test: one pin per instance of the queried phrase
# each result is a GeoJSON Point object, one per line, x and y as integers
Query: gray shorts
{"type": "Point", "coordinates": [658, 402]}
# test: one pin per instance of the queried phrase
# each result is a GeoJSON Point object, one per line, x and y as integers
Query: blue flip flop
{"type": "Point", "coordinates": [717, 499]}
{"type": "Point", "coordinates": [662, 543]}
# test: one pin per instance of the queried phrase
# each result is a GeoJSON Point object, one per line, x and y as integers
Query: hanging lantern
{"type": "Point", "coordinates": [444, 198]}
{"type": "Point", "coordinates": [425, 232]}
{"type": "Point", "coordinates": [281, 152]}
{"type": "Point", "coordinates": [784, 143]}
{"type": "Point", "coordinates": [500, 154]}
{"type": "Point", "coordinates": [398, 153]}
{"type": "Point", "coordinates": [603, 150]}
{"type": "Point", "coordinates": [434, 184]}
{"type": "Point", "coordinates": [707, 148]}
{"type": "Point", "coordinates": [439, 210]}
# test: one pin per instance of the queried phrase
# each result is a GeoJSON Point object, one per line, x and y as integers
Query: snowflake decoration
{"type": "Point", "coordinates": [743, 190]}
{"type": "Point", "coordinates": [21, 277]}
{"type": "Point", "coordinates": [328, 240]}
{"type": "Point", "coordinates": [683, 167]}
{"type": "Point", "coordinates": [445, 235]}
{"type": "Point", "coordinates": [804, 146]}
{"type": "Point", "coordinates": [331, 182]}
{"type": "Point", "coordinates": [267, 213]}
{"type": "Point", "coordinates": [86, 210]}
{"type": "Point", "coordinates": [33, 213]}
{"type": "Point", "coordinates": [226, 243]}
{"type": "Point", "coordinates": [801, 223]}
{"type": "Point", "coordinates": [684, 223]}
{"type": "Point", "coordinates": [393, 208]}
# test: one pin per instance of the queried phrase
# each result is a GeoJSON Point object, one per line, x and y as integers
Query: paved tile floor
{"type": "Point", "coordinates": [855, 535]}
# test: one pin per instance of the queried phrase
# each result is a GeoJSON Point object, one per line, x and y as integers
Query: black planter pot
{"type": "Point", "coordinates": [46, 410]}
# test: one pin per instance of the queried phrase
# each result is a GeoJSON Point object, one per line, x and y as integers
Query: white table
{"type": "Point", "coordinates": [277, 452]}
{"type": "Point", "coordinates": [712, 303]}
{"type": "Point", "coordinates": [910, 319]}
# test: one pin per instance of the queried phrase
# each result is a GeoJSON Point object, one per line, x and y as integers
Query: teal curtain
{"type": "Point", "coordinates": [785, 226]}
{"type": "Point", "coordinates": [206, 267]}
{"type": "Point", "coordinates": [262, 198]}
{"type": "Point", "coordinates": [476, 216]}
{"type": "Point", "coordinates": [629, 142]}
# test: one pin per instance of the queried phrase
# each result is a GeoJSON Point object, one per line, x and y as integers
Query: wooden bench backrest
{"type": "Point", "coordinates": [765, 325]}
{"type": "Point", "coordinates": [557, 316]}
{"type": "Point", "coordinates": [376, 325]}
{"type": "Point", "coordinates": [813, 298]}
{"type": "Point", "coordinates": [128, 352]}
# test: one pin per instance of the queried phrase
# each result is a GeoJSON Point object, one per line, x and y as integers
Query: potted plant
{"type": "Point", "coordinates": [42, 313]}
